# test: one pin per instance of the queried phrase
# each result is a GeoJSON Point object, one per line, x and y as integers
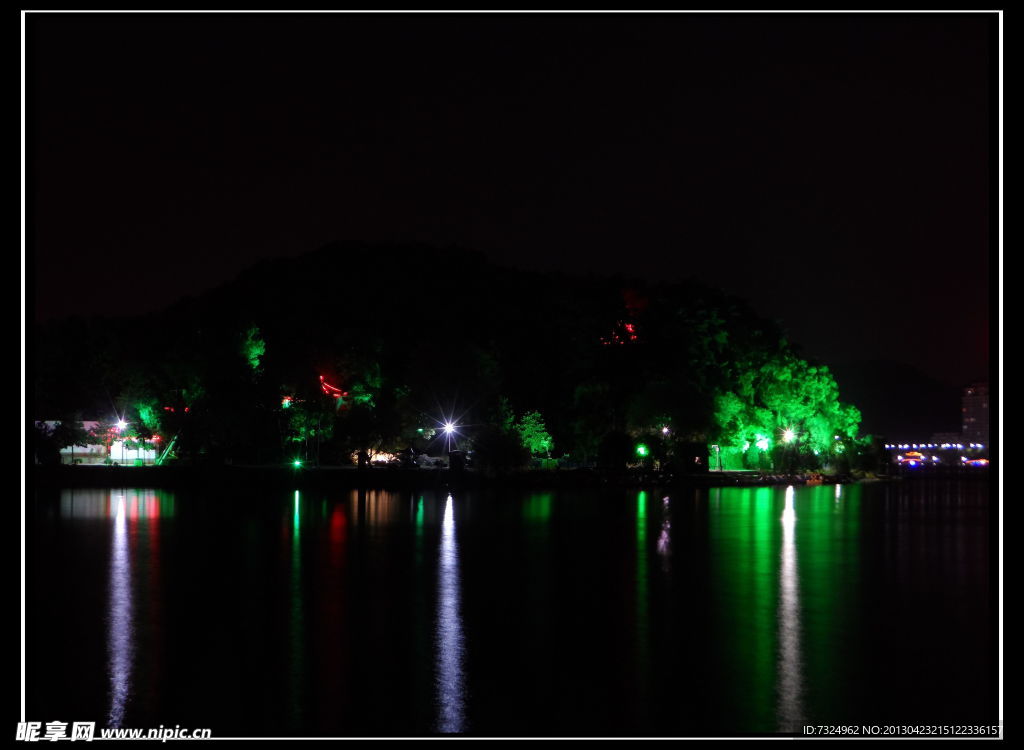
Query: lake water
{"type": "Point", "coordinates": [591, 613]}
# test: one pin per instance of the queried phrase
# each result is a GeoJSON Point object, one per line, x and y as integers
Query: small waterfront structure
{"type": "Point", "coordinates": [96, 454]}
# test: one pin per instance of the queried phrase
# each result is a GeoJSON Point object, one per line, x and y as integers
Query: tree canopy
{"type": "Point", "coordinates": [373, 348]}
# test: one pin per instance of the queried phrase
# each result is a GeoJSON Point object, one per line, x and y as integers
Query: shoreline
{"type": "Point", "coordinates": [401, 478]}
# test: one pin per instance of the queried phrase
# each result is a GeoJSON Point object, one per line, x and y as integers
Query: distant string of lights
{"type": "Point", "coordinates": [940, 446]}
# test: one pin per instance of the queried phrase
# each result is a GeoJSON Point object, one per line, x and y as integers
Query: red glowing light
{"type": "Point", "coordinates": [330, 389]}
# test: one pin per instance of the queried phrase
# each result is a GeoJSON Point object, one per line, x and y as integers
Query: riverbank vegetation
{"type": "Point", "coordinates": [359, 352]}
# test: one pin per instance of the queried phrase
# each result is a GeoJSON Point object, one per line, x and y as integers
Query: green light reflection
{"type": "Point", "coordinates": [643, 655]}
{"type": "Point", "coordinates": [296, 618]}
{"type": "Point", "coordinates": [537, 508]}
{"type": "Point", "coordinates": [828, 538]}
{"type": "Point", "coordinates": [743, 525]}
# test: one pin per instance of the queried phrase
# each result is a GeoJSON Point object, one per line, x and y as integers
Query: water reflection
{"type": "Point", "coordinates": [120, 643]}
{"type": "Point", "coordinates": [380, 507]}
{"type": "Point", "coordinates": [422, 626]}
{"type": "Point", "coordinates": [769, 616]}
{"type": "Point", "coordinates": [790, 667]}
{"type": "Point", "coordinates": [331, 620]}
{"type": "Point", "coordinates": [537, 509]}
{"type": "Point", "coordinates": [642, 605]}
{"type": "Point", "coordinates": [296, 615]}
{"type": "Point", "coordinates": [125, 509]}
{"type": "Point", "coordinates": [665, 537]}
{"type": "Point", "coordinates": [103, 504]}
{"type": "Point", "coordinates": [449, 640]}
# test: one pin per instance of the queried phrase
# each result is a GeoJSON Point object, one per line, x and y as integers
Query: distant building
{"type": "Point", "coordinates": [98, 454]}
{"type": "Point", "coordinates": [975, 414]}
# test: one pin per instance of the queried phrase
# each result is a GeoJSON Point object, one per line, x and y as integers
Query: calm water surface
{"type": "Point", "coordinates": [721, 611]}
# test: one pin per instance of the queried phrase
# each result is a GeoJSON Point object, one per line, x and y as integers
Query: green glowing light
{"type": "Point", "coordinates": [297, 463]}
{"type": "Point", "coordinates": [788, 436]}
{"type": "Point", "coordinates": [762, 442]}
{"type": "Point", "coordinates": [641, 450]}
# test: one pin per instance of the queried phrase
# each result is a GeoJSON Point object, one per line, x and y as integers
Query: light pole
{"type": "Point", "coordinates": [121, 425]}
{"type": "Point", "coordinates": [449, 430]}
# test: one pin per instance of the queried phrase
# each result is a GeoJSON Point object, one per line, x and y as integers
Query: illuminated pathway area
{"type": "Point", "coordinates": [449, 641]}
{"type": "Point", "coordinates": [790, 666]}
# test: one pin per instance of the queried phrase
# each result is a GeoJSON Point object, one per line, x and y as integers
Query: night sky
{"type": "Point", "coordinates": [834, 170]}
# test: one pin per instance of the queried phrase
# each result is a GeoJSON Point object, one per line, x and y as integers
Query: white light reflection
{"type": "Point", "coordinates": [790, 667]}
{"type": "Point", "coordinates": [119, 634]}
{"type": "Point", "coordinates": [449, 640]}
{"type": "Point", "coordinates": [665, 537]}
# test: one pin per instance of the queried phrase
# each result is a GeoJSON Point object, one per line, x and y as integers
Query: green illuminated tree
{"type": "Point", "coordinates": [253, 348]}
{"type": "Point", "coordinates": [534, 434]}
{"type": "Point", "coordinates": [148, 414]}
{"type": "Point", "coordinates": [782, 396]}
